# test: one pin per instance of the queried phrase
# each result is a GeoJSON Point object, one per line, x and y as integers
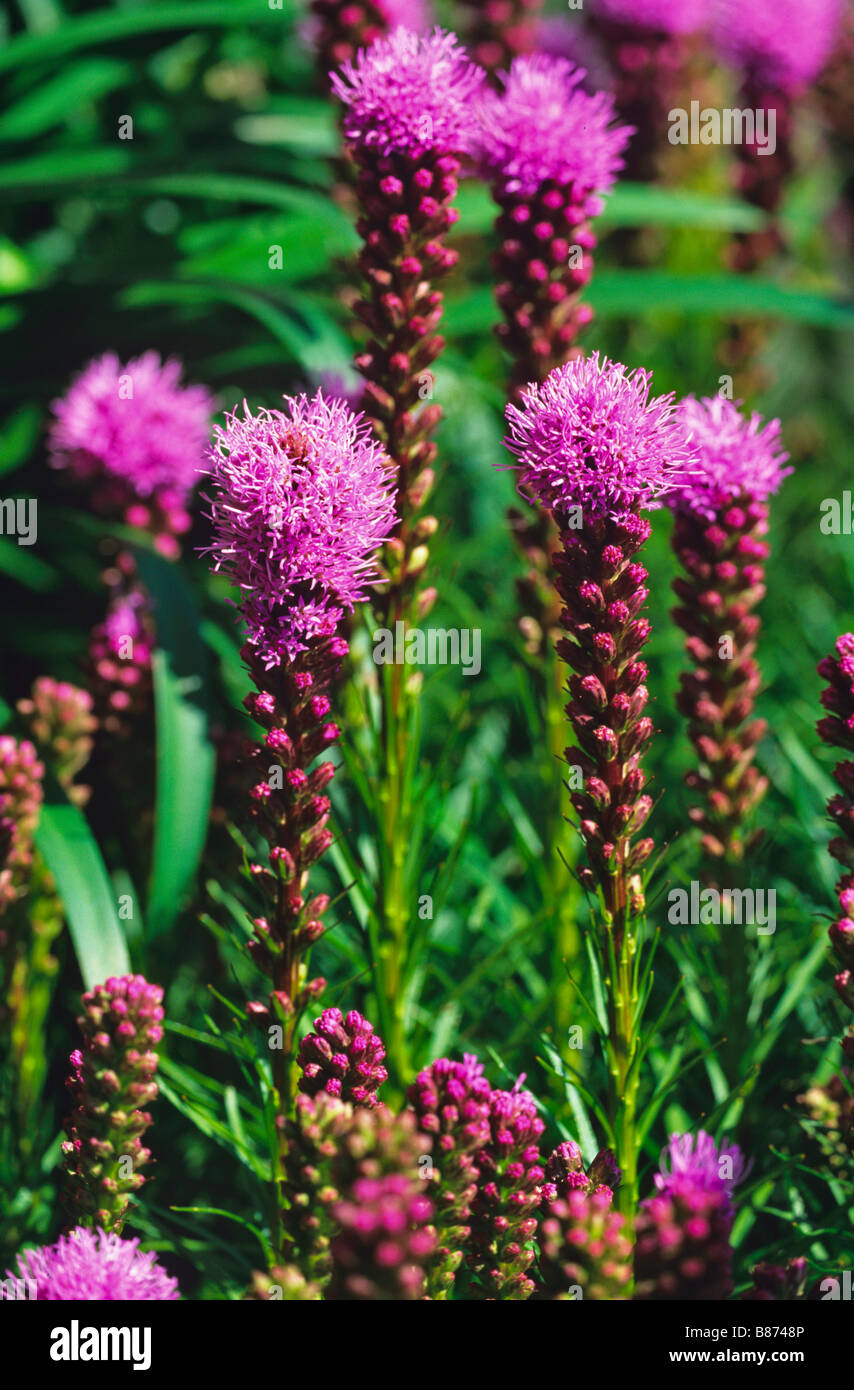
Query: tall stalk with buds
{"type": "Point", "coordinates": [407, 112]}
{"type": "Point", "coordinates": [721, 520]}
{"type": "Point", "coordinates": [596, 450]}
{"type": "Point", "coordinates": [301, 500]}
{"type": "Point", "coordinates": [549, 151]}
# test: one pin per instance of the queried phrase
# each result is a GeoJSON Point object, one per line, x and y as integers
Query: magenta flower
{"type": "Point", "coordinates": [699, 1165]}
{"type": "Point", "coordinates": [338, 29]}
{"type": "Point", "coordinates": [591, 437]}
{"type": "Point", "coordinates": [120, 650]}
{"type": "Point", "coordinates": [544, 128]}
{"type": "Point", "coordinates": [343, 1057]}
{"type": "Point", "coordinates": [738, 456]}
{"type": "Point", "coordinates": [451, 1101]}
{"type": "Point", "coordinates": [656, 16]}
{"type": "Point", "coordinates": [112, 1078]}
{"type": "Point", "coordinates": [510, 1178]}
{"type": "Point", "coordinates": [94, 1266]}
{"type": "Point", "coordinates": [584, 1249]}
{"type": "Point", "coordinates": [548, 149]}
{"type": "Point", "coordinates": [136, 434]}
{"type": "Point", "coordinates": [409, 94]}
{"type": "Point", "coordinates": [682, 1246]}
{"type": "Point", "coordinates": [302, 500]}
{"type": "Point", "coordinates": [783, 43]}
{"type": "Point", "coordinates": [383, 1242]}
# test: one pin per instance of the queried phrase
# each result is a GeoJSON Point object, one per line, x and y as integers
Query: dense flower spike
{"type": "Point", "coordinates": [650, 46]}
{"type": "Point", "coordinates": [497, 31]}
{"type": "Point", "coordinates": [302, 500]}
{"type": "Point", "coordinates": [343, 1057]}
{"type": "Point", "coordinates": [504, 1212]}
{"type": "Point", "coordinates": [584, 1252]}
{"type": "Point", "coordinates": [313, 1137]}
{"type": "Point", "coordinates": [549, 149]}
{"type": "Point", "coordinates": [407, 120]}
{"type": "Point", "coordinates": [21, 797]}
{"type": "Point", "coordinates": [837, 729]}
{"type": "Point", "coordinates": [119, 663]}
{"type": "Point", "coordinates": [451, 1102]}
{"type": "Point", "coordinates": [683, 1249]}
{"type": "Point", "coordinates": [590, 437]}
{"type": "Point", "coordinates": [697, 1164]}
{"type": "Point", "coordinates": [112, 1078]}
{"type": "Point", "coordinates": [778, 48]}
{"type": "Point", "coordinates": [721, 519]}
{"type": "Point", "coordinates": [340, 28]}
{"type": "Point", "coordinates": [138, 436]}
{"type": "Point", "coordinates": [383, 1243]}
{"type": "Point", "coordinates": [60, 719]}
{"type": "Point", "coordinates": [92, 1266]}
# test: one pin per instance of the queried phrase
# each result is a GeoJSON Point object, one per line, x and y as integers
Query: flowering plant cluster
{"type": "Point", "coordinates": [257, 583]}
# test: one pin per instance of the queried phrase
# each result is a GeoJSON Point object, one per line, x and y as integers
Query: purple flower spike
{"type": "Point", "coordinates": [409, 94]}
{"type": "Point", "coordinates": [343, 1057]}
{"type": "Point", "coordinates": [592, 437]}
{"type": "Point", "coordinates": [584, 1250]}
{"type": "Point", "coordinates": [338, 29]}
{"type": "Point", "coordinates": [543, 127]}
{"type": "Point", "coordinates": [93, 1266]}
{"type": "Point", "coordinates": [451, 1101]}
{"type": "Point", "coordinates": [302, 500]}
{"type": "Point", "coordinates": [112, 1079]}
{"type": "Point", "coordinates": [509, 1192]}
{"type": "Point", "coordinates": [383, 1242]}
{"type": "Point", "coordinates": [700, 1165]}
{"type": "Point", "coordinates": [784, 43]}
{"type": "Point", "coordinates": [738, 456]}
{"type": "Point", "coordinates": [138, 435]}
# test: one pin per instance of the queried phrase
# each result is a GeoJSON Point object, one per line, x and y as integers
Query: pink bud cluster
{"type": "Point", "coordinates": [119, 663]}
{"type": "Point", "coordinates": [496, 31]}
{"type": "Point", "coordinates": [584, 1251]}
{"type": "Point", "coordinates": [504, 1213]}
{"type": "Point", "coordinates": [383, 1243]}
{"type": "Point", "coordinates": [60, 720]}
{"type": "Point", "coordinates": [451, 1101]}
{"type": "Point", "coordinates": [112, 1080]}
{"type": "Point", "coordinates": [21, 797]}
{"type": "Point", "coordinates": [343, 1057]}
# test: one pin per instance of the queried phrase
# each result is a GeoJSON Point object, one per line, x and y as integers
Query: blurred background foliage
{"type": "Point", "coordinates": [164, 241]}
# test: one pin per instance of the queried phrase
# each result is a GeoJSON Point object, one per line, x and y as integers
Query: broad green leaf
{"type": "Point", "coordinates": [727, 296]}
{"type": "Point", "coordinates": [68, 848]}
{"type": "Point", "coordinates": [64, 166]}
{"type": "Point", "coordinates": [185, 756]}
{"type": "Point", "coordinates": [52, 102]}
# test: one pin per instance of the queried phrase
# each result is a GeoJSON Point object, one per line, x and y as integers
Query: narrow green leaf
{"type": "Point", "coordinates": [185, 756]}
{"type": "Point", "coordinates": [66, 844]}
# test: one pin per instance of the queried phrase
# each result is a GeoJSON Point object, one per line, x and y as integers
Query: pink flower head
{"type": "Point", "coordinates": [782, 42]}
{"type": "Point", "coordinates": [452, 1099]}
{"type": "Point", "coordinates": [591, 436]}
{"type": "Point", "coordinates": [737, 456]}
{"type": "Point", "coordinates": [343, 1057]}
{"type": "Point", "coordinates": [134, 424]}
{"type": "Point", "coordinates": [407, 94]}
{"type": "Point", "coordinates": [302, 501]}
{"type": "Point", "coordinates": [698, 1165]}
{"type": "Point", "coordinates": [543, 126]}
{"type": "Point", "coordinates": [93, 1266]}
{"type": "Point", "coordinates": [656, 16]}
